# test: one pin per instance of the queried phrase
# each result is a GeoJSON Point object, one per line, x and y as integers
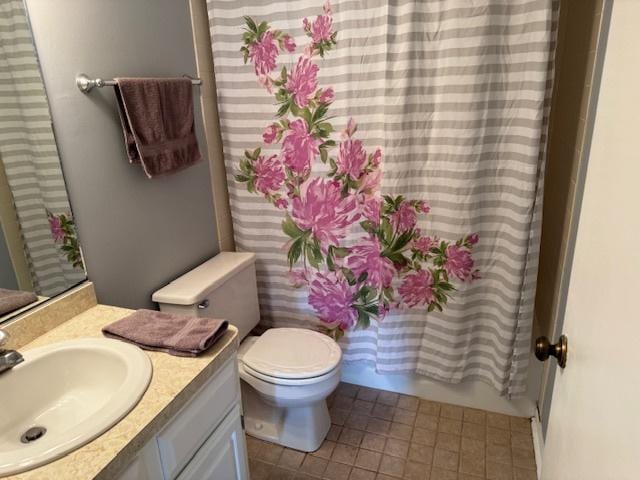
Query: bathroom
{"type": "Point", "coordinates": [498, 131]}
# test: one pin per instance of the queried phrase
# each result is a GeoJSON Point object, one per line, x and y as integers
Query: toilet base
{"type": "Point", "coordinates": [301, 428]}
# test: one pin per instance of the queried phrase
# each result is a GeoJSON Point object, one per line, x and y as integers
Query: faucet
{"type": "Point", "coordinates": [8, 358]}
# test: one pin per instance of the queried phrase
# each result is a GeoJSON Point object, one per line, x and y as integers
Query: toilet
{"type": "Point", "coordinates": [286, 373]}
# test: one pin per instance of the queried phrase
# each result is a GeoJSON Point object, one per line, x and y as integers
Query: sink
{"type": "Point", "coordinates": [64, 395]}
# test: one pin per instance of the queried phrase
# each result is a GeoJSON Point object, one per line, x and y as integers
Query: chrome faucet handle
{"type": "Point", "coordinates": [8, 358]}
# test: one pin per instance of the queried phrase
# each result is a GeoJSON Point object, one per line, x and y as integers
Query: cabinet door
{"type": "Point", "coordinates": [223, 456]}
{"type": "Point", "coordinates": [146, 466]}
{"type": "Point", "coordinates": [188, 430]}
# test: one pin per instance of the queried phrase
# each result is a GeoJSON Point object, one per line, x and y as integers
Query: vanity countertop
{"type": "Point", "coordinates": [174, 381]}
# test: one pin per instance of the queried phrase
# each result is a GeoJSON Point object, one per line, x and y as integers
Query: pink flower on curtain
{"type": "Point", "coordinates": [423, 207]}
{"type": "Point", "coordinates": [302, 81]}
{"type": "Point", "coordinates": [326, 96]}
{"type": "Point", "coordinates": [376, 158]}
{"type": "Point", "coordinates": [332, 298]}
{"type": "Point", "coordinates": [63, 231]}
{"type": "Point", "coordinates": [269, 174]}
{"type": "Point", "coordinates": [270, 134]}
{"type": "Point", "coordinates": [280, 203]}
{"type": "Point", "coordinates": [424, 244]}
{"type": "Point", "coordinates": [369, 183]}
{"type": "Point", "coordinates": [350, 129]}
{"type": "Point", "coordinates": [321, 29]}
{"type": "Point", "coordinates": [288, 43]}
{"type": "Point", "coordinates": [351, 158]}
{"type": "Point", "coordinates": [299, 148]}
{"type": "Point", "coordinates": [371, 210]}
{"type": "Point", "coordinates": [366, 256]}
{"type": "Point", "coordinates": [298, 277]}
{"type": "Point", "coordinates": [55, 225]}
{"type": "Point", "coordinates": [264, 53]}
{"type": "Point", "coordinates": [404, 218]}
{"type": "Point", "coordinates": [322, 209]}
{"type": "Point", "coordinates": [458, 262]}
{"type": "Point", "coordinates": [417, 288]}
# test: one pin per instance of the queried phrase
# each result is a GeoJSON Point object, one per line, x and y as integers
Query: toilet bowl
{"type": "Point", "coordinates": [286, 373]}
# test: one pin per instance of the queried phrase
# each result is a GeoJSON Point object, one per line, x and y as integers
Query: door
{"type": "Point", "coordinates": [594, 423]}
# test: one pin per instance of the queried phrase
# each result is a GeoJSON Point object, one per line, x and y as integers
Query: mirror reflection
{"type": "Point", "coordinates": [40, 255]}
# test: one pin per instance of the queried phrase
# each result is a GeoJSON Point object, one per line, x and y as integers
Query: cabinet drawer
{"type": "Point", "coordinates": [189, 428]}
{"type": "Point", "coordinates": [223, 455]}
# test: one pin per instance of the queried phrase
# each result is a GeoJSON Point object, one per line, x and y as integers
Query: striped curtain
{"type": "Point", "coordinates": [434, 115]}
{"type": "Point", "coordinates": [29, 154]}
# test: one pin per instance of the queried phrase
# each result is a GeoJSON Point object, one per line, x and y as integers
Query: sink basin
{"type": "Point", "coordinates": [64, 395]}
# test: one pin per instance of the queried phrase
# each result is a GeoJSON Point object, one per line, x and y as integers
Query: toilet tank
{"type": "Point", "coordinates": [222, 287]}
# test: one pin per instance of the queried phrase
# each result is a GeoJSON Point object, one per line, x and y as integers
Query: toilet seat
{"type": "Point", "coordinates": [299, 382]}
{"type": "Point", "coordinates": [290, 356]}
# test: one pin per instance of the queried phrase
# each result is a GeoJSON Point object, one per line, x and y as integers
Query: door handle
{"type": "Point", "coordinates": [545, 349]}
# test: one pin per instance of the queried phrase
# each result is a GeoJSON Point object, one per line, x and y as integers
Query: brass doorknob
{"type": "Point", "coordinates": [545, 349]}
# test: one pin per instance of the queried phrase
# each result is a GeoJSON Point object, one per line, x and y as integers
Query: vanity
{"type": "Point", "coordinates": [186, 425]}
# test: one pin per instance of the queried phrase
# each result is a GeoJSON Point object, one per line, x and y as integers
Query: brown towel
{"type": "Point", "coordinates": [157, 121]}
{"type": "Point", "coordinates": [11, 300]}
{"type": "Point", "coordinates": [165, 332]}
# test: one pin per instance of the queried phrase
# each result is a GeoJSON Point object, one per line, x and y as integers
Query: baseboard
{"type": "Point", "coordinates": [538, 441]}
{"type": "Point", "coordinates": [473, 394]}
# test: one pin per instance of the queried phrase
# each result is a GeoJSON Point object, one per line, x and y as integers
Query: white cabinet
{"type": "Point", "coordinates": [146, 466]}
{"type": "Point", "coordinates": [179, 440]}
{"type": "Point", "coordinates": [222, 457]}
{"type": "Point", "coordinates": [204, 440]}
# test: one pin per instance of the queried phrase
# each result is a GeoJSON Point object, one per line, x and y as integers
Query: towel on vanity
{"type": "Point", "coordinates": [11, 300]}
{"type": "Point", "coordinates": [157, 122]}
{"type": "Point", "coordinates": [165, 332]}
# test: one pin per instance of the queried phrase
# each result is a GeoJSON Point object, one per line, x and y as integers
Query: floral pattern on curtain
{"type": "Point", "coordinates": [348, 283]}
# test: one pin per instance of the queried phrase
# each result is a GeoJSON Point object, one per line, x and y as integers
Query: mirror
{"type": "Point", "coordinates": [40, 255]}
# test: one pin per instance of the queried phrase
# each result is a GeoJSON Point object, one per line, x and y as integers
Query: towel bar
{"type": "Point", "coordinates": [86, 84]}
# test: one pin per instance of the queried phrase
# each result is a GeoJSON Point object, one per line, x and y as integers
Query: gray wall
{"type": "Point", "coordinates": [7, 276]}
{"type": "Point", "coordinates": [137, 234]}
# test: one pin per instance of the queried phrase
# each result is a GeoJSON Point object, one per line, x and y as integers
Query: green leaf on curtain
{"type": "Point", "coordinates": [284, 108]}
{"type": "Point", "coordinates": [263, 27]}
{"type": "Point", "coordinates": [403, 240]}
{"type": "Point", "coordinates": [295, 251]}
{"type": "Point", "coordinates": [251, 24]}
{"type": "Point", "coordinates": [363, 319]}
{"type": "Point", "coordinates": [387, 231]}
{"type": "Point", "coordinates": [314, 254]}
{"type": "Point", "coordinates": [320, 112]}
{"type": "Point", "coordinates": [290, 228]}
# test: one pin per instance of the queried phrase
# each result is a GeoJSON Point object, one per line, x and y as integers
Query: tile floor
{"type": "Point", "coordinates": [379, 435]}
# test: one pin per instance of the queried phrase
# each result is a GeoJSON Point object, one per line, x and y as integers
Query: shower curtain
{"type": "Point", "coordinates": [30, 157]}
{"type": "Point", "coordinates": [385, 162]}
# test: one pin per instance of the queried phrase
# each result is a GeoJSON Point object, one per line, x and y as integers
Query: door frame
{"type": "Point", "coordinates": [549, 370]}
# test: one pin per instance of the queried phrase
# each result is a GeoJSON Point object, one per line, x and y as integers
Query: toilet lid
{"type": "Point", "coordinates": [293, 353]}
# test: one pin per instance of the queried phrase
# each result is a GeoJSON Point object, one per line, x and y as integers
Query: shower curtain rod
{"type": "Point", "coordinates": [86, 84]}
